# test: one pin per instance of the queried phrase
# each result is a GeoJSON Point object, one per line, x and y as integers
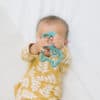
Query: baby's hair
{"type": "Point", "coordinates": [53, 18]}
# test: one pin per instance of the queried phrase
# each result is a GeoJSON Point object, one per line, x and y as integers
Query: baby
{"type": "Point", "coordinates": [43, 79]}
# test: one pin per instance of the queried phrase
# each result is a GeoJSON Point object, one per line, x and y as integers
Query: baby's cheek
{"type": "Point", "coordinates": [58, 44]}
{"type": "Point", "coordinates": [61, 43]}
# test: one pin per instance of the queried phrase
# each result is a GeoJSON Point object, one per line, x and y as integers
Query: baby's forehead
{"type": "Point", "coordinates": [52, 26]}
{"type": "Point", "coordinates": [51, 22]}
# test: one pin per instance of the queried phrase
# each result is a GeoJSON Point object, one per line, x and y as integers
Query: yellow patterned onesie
{"type": "Point", "coordinates": [41, 81]}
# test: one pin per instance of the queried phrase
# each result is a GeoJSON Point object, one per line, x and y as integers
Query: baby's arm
{"type": "Point", "coordinates": [66, 61]}
{"type": "Point", "coordinates": [33, 49]}
{"type": "Point", "coordinates": [26, 55]}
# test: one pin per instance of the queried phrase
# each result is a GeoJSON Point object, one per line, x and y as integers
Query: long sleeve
{"type": "Point", "coordinates": [26, 55]}
{"type": "Point", "coordinates": [66, 61]}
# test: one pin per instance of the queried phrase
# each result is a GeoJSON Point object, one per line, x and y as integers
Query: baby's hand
{"type": "Point", "coordinates": [38, 46]}
{"type": "Point", "coordinates": [34, 49]}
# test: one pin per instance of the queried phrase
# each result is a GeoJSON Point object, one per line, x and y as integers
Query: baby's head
{"type": "Point", "coordinates": [53, 24]}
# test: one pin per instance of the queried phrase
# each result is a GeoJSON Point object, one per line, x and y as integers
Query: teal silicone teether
{"type": "Point", "coordinates": [49, 34]}
{"type": "Point", "coordinates": [53, 51]}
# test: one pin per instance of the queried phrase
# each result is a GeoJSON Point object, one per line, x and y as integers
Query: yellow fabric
{"type": "Point", "coordinates": [41, 81]}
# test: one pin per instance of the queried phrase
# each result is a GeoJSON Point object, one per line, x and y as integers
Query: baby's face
{"type": "Point", "coordinates": [59, 39]}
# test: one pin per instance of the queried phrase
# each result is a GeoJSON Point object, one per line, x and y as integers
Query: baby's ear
{"type": "Point", "coordinates": [65, 42]}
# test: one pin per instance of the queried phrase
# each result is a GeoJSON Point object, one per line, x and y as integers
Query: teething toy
{"type": "Point", "coordinates": [54, 52]}
{"type": "Point", "coordinates": [49, 34]}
